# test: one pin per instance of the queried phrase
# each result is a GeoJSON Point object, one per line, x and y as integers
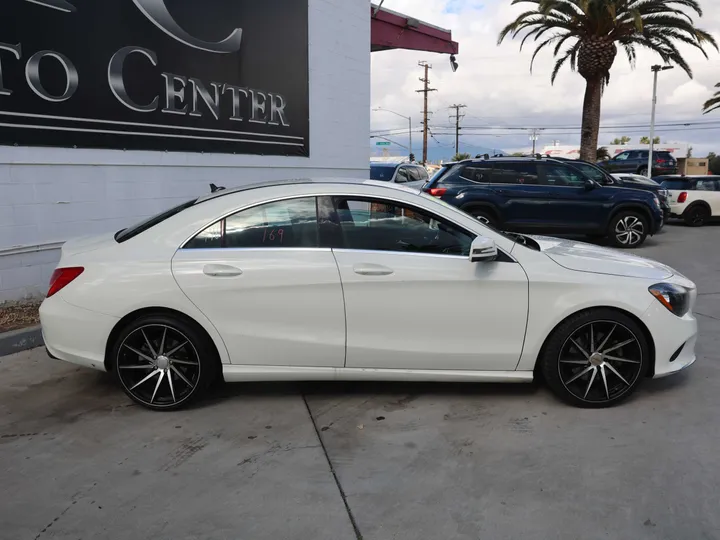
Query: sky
{"type": "Point", "coordinates": [495, 83]}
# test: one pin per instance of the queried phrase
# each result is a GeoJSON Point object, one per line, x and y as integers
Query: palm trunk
{"type": "Point", "coordinates": [591, 120]}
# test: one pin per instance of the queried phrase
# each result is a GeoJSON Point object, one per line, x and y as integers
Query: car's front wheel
{"type": "Point", "coordinates": [643, 171]}
{"type": "Point", "coordinates": [628, 229]}
{"type": "Point", "coordinates": [596, 358]}
{"type": "Point", "coordinates": [483, 215]}
{"type": "Point", "coordinates": [163, 362]}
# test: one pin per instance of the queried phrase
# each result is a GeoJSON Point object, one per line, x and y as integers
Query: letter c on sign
{"type": "Point", "coordinates": [117, 84]}
{"type": "Point", "coordinates": [32, 74]}
{"type": "Point", "coordinates": [157, 12]}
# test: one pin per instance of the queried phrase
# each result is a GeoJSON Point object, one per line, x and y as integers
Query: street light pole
{"type": "Point", "coordinates": [408, 118]}
{"type": "Point", "coordinates": [655, 69]}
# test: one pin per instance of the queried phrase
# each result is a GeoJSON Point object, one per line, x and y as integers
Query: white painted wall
{"type": "Point", "coordinates": [48, 195]}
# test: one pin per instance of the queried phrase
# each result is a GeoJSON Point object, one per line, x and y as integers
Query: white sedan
{"type": "Point", "coordinates": [330, 280]}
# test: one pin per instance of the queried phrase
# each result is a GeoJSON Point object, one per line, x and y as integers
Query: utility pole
{"type": "Point", "coordinates": [655, 70]}
{"type": "Point", "coordinates": [534, 136]}
{"type": "Point", "coordinates": [457, 118]}
{"type": "Point", "coordinates": [425, 90]}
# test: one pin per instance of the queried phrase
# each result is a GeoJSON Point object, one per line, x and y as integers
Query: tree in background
{"type": "Point", "coordinates": [461, 156]}
{"type": "Point", "coordinates": [713, 103]}
{"type": "Point", "coordinates": [602, 153]}
{"type": "Point", "coordinates": [592, 30]}
{"type": "Point", "coordinates": [621, 141]}
{"type": "Point", "coordinates": [713, 163]}
{"type": "Point", "coordinates": [646, 140]}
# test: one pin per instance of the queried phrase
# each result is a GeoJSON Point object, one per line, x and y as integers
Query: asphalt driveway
{"type": "Point", "coordinates": [375, 461]}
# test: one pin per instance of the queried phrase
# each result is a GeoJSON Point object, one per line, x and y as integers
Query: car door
{"type": "Point", "coordinates": [572, 204]}
{"type": "Point", "coordinates": [413, 300]}
{"type": "Point", "coordinates": [261, 278]}
{"type": "Point", "coordinates": [525, 199]}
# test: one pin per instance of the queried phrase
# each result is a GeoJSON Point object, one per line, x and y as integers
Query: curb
{"type": "Point", "coordinates": [20, 340]}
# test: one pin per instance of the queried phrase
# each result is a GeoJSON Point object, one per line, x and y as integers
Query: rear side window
{"type": "Point", "coordinates": [422, 173]}
{"type": "Point", "coordinates": [465, 174]}
{"type": "Point", "coordinates": [291, 223]}
{"type": "Point", "coordinates": [676, 184]}
{"type": "Point", "coordinates": [705, 185]}
{"type": "Point", "coordinates": [515, 173]}
{"type": "Point", "coordinates": [130, 232]}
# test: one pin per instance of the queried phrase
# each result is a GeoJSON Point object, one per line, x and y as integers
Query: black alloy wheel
{"type": "Point", "coordinates": [483, 216]}
{"type": "Point", "coordinates": [643, 171]}
{"type": "Point", "coordinates": [163, 363]}
{"type": "Point", "coordinates": [697, 216]}
{"type": "Point", "coordinates": [595, 359]}
{"type": "Point", "coordinates": [628, 229]}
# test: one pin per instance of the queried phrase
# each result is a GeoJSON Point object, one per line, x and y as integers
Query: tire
{"type": "Point", "coordinates": [162, 362]}
{"type": "Point", "coordinates": [696, 216]}
{"type": "Point", "coordinates": [628, 229]}
{"type": "Point", "coordinates": [483, 215]}
{"type": "Point", "coordinates": [643, 171]}
{"type": "Point", "coordinates": [586, 376]}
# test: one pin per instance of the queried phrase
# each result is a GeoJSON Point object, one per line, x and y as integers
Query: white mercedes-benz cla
{"type": "Point", "coordinates": [330, 280]}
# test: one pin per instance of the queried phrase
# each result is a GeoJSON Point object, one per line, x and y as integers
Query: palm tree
{"type": "Point", "coordinates": [713, 103]}
{"type": "Point", "coordinates": [592, 30]}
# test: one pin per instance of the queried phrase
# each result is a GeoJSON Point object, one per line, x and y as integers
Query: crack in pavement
{"type": "Point", "coordinates": [356, 529]}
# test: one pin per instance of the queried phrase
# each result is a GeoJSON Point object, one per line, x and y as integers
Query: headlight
{"type": "Point", "coordinates": [674, 297]}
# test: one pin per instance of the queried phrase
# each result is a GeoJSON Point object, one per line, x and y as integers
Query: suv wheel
{"type": "Point", "coordinates": [483, 216]}
{"type": "Point", "coordinates": [628, 229]}
{"type": "Point", "coordinates": [643, 171]}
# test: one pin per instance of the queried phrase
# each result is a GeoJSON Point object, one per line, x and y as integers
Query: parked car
{"type": "Point", "coordinates": [694, 199]}
{"type": "Point", "coordinates": [629, 180]}
{"type": "Point", "coordinates": [409, 174]}
{"type": "Point", "coordinates": [636, 161]}
{"type": "Point", "coordinates": [638, 181]}
{"type": "Point", "coordinates": [549, 196]}
{"type": "Point", "coordinates": [331, 280]}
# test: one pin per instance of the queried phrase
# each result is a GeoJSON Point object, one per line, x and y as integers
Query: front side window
{"type": "Point", "coordinates": [291, 223]}
{"type": "Point", "coordinates": [422, 173]}
{"type": "Point", "coordinates": [559, 175]}
{"type": "Point", "coordinates": [592, 171]}
{"type": "Point", "coordinates": [623, 156]}
{"type": "Point", "coordinates": [378, 225]}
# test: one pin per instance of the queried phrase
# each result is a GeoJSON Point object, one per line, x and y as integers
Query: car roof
{"type": "Point", "coordinates": [297, 181]}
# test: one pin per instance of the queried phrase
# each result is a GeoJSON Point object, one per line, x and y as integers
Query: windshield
{"type": "Point", "coordinates": [384, 173]}
{"type": "Point", "coordinates": [127, 234]}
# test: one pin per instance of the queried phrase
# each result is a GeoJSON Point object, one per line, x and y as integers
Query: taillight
{"type": "Point", "coordinates": [437, 192]}
{"type": "Point", "coordinates": [682, 197]}
{"type": "Point", "coordinates": [61, 277]}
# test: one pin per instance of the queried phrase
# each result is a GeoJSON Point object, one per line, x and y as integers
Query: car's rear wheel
{"type": "Point", "coordinates": [595, 359]}
{"type": "Point", "coordinates": [628, 229]}
{"type": "Point", "coordinates": [643, 171]}
{"type": "Point", "coordinates": [696, 216]}
{"type": "Point", "coordinates": [162, 362]}
{"type": "Point", "coordinates": [483, 215]}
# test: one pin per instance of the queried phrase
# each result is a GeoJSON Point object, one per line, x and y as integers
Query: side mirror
{"type": "Point", "coordinates": [590, 185]}
{"type": "Point", "coordinates": [483, 249]}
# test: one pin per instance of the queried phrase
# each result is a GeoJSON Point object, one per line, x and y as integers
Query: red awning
{"type": "Point", "coordinates": [392, 30]}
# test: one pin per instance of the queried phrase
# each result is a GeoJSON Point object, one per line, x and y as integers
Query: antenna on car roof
{"type": "Point", "coordinates": [214, 188]}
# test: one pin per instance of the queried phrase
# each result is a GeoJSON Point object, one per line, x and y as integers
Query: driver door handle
{"type": "Point", "coordinates": [367, 269]}
{"type": "Point", "coordinates": [221, 270]}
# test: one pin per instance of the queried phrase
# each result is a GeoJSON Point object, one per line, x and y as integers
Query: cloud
{"type": "Point", "coordinates": [496, 84]}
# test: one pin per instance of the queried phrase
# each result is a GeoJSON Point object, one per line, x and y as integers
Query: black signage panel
{"type": "Point", "coordinates": [226, 76]}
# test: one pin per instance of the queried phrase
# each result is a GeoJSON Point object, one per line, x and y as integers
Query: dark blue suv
{"type": "Point", "coordinates": [547, 196]}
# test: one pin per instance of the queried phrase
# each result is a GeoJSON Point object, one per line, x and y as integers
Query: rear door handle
{"type": "Point", "coordinates": [367, 269]}
{"type": "Point", "coordinates": [221, 270]}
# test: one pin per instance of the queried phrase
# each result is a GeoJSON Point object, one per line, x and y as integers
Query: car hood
{"type": "Point", "coordinates": [584, 257]}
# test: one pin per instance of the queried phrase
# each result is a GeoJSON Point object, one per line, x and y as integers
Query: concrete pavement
{"type": "Point", "coordinates": [414, 461]}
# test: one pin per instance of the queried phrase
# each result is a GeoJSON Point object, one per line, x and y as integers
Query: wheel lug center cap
{"type": "Point", "coordinates": [162, 362]}
{"type": "Point", "coordinates": [596, 359]}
